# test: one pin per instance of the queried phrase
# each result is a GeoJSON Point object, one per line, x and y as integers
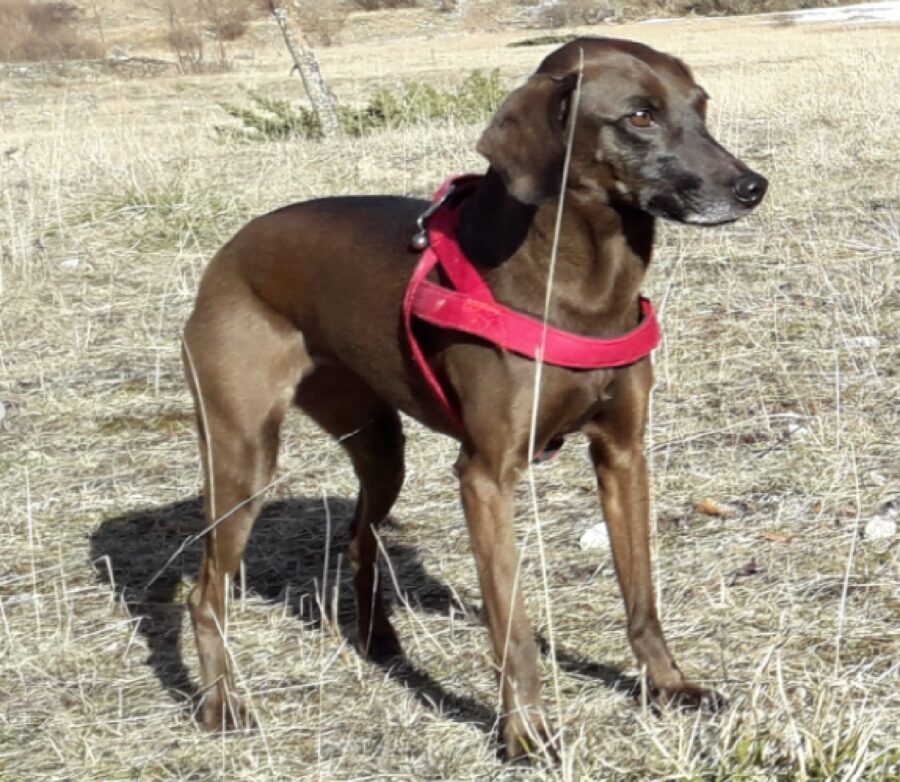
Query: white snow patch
{"type": "Point", "coordinates": [887, 11]}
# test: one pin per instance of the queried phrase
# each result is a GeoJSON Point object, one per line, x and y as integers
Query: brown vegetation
{"type": "Point", "coordinates": [190, 22]}
{"type": "Point", "coordinates": [321, 22]}
{"type": "Point", "coordinates": [42, 31]}
{"type": "Point", "coordinates": [575, 12]}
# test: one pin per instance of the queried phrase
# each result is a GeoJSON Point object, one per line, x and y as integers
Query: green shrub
{"type": "Point", "coordinates": [268, 118]}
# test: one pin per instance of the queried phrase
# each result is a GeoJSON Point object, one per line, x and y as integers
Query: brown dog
{"type": "Point", "coordinates": [302, 307]}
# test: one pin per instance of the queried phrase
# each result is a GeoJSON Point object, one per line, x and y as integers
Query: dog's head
{"type": "Point", "coordinates": [640, 136]}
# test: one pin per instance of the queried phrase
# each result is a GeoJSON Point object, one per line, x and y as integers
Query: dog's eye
{"type": "Point", "coordinates": [641, 119]}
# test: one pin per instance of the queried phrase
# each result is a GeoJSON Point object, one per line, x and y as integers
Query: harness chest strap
{"type": "Point", "coordinates": [470, 307]}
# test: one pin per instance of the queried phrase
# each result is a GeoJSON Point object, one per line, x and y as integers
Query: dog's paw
{"type": "Point", "coordinates": [383, 646]}
{"type": "Point", "coordinates": [690, 696]}
{"type": "Point", "coordinates": [225, 713]}
{"type": "Point", "coordinates": [528, 739]}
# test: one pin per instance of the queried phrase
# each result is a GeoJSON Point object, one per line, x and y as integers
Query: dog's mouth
{"type": "Point", "coordinates": [696, 208]}
{"type": "Point", "coordinates": [712, 217]}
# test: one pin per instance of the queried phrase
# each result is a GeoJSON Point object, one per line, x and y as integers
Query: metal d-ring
{"type": "Point", "coordinates": [420, 240]}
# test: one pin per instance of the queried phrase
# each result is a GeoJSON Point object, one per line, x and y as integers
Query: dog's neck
{"type": "Point", "coordinates": [493, 225]}
{"type": "Point", "coordinates": [602, 256]}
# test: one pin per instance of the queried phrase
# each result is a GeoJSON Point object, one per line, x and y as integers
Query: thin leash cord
{"type": "Point", "coordinates": [538, 375]}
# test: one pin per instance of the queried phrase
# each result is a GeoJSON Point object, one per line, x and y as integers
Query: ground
{"type": "Point", "coordinates": [775, 405]}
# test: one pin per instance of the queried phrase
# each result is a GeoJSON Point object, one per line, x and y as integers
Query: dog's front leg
{"type": "Point", "coordinates": [617, 451]}
{"type": "Point", "coordinates": [487, 497]}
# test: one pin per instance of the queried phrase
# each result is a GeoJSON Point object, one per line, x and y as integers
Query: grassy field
{"type": "Point", "coordinates": [777, 397]}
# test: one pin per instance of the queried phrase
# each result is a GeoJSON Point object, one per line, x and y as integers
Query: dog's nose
{"type": "Point", "coordinates": [750, 188]}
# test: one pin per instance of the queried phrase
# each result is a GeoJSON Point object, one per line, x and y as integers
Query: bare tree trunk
{"type": "Point", "coordinates": [308, 67]}
{"type": "Point", "coordinates": [99, 22]}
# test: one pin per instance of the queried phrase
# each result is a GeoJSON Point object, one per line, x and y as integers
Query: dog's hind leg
{"type": "Point", "coordinates": [371, 433]}
{"type": "Point", "coordinates": [243, 364]}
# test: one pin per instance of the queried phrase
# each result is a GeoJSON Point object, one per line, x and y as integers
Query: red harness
{"type": "Point", "coordinates": [470, 307]}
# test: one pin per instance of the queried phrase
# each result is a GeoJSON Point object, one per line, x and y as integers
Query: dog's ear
{"type": "Point", "coordinates": [525, 141]}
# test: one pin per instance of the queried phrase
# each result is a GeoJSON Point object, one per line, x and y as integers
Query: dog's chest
{"type": "Point", "coordinates": [570, 398]}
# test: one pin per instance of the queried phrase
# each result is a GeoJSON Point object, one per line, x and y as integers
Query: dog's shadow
{"type": "Point", "coordinates": [291, 562]}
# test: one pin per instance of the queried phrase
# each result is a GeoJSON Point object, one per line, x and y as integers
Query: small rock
{"type": "Point", "coordinates": [70, 263]}
{"type": "Point", "coordinates": [862, 342]}
{"type": "Point", "coordinates": [711, 507]}
{"type": "Point", "coordinates": [595, 538]}
{"type": "Point", "coordinates": [880, 528]}
{"type": "Point", "coordinates": [798, 431]}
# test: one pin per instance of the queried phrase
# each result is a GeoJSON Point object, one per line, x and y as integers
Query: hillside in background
{"type": "Point", "coordinates": [79, 29]}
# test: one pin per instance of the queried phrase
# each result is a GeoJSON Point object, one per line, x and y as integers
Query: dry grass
{"type": "Point", "coordinates": [112, 197]}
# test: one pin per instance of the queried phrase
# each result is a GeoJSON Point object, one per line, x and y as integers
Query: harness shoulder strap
{"type": "Point", "coordinates": [469, 306]}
